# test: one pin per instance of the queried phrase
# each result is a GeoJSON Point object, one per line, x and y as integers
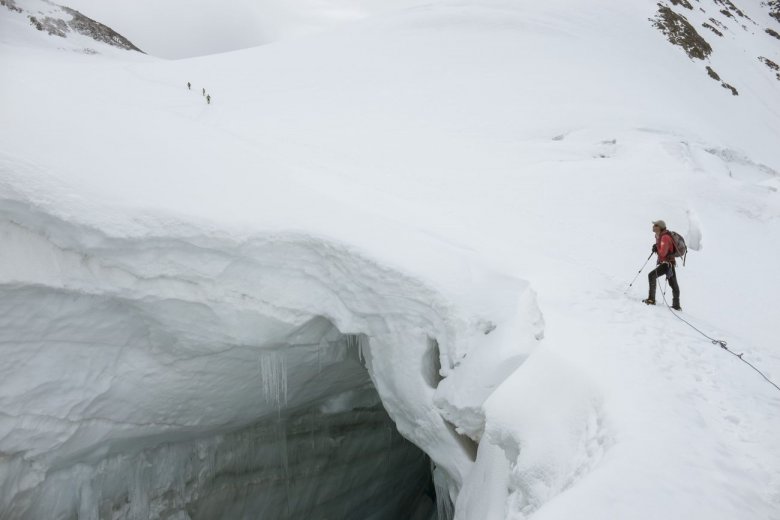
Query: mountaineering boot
{"type": "Point", "coordinates": [649, 301]}
{"type": "Point", "coordinates": [676, 305]}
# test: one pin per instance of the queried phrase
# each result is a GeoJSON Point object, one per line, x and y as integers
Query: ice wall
{"type": "Point", "coordinates": [194, 377]}
{"type": "Point", "coordinates": [306, 464]}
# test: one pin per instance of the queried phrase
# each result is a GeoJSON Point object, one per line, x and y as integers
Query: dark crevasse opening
{"type": "Point", "coordinates": [325, 448]}
{"type": "Point", "coordinates": [310, 464]}
{"type": "Point", "coordinates": [339, 458]}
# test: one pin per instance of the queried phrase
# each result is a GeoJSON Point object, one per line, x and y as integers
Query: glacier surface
{"type": "Point", "coordinates": [384, 273]}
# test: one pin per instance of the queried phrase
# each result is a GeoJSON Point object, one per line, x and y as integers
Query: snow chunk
{"type": "Point", "coordinates": [693, 236]}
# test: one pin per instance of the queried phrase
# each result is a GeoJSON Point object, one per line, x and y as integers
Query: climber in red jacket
{"type": "Point", "coordinates": [664, 247]}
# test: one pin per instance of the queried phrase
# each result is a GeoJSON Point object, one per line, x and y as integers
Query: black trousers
{"type": "Point", "coordinates": [667, 270]}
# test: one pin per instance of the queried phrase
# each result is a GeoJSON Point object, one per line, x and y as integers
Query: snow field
{"type": "Point", "coordinates": [425, 174]}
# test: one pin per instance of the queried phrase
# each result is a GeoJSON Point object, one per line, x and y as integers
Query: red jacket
{"type": "Point", "coordinates": [665, 246]}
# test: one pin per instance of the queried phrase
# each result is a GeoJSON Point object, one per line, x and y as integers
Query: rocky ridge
{"type": "Point", "coordinates": [60, 20]}
{"type": "Point", "coordinates": [720, 17]}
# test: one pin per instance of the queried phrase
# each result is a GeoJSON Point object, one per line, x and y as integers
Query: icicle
{"type": "Point", "coordinates": [282, 434]}
{"type": "Point", "coordinates": [88, 503]}
{"type": "Point", "coordinates": [273, 373]}
{"type": "Point", "coordinates": [444, 507]}
{"type": "Point", "coordinates": [358, 342]}
{"type": "Point", "coordinates": [364, 345]}
{"type": "Point", "coordinates": [322, 348]}
{"type": "Point", "coordinates": [139, 492]}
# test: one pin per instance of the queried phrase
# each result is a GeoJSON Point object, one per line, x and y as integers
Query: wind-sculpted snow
{"type": "Point", "coordinates": [117, 347]}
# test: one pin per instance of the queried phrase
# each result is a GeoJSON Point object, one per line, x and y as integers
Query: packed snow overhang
{"type": "Point", "coordinates": [149, 374]}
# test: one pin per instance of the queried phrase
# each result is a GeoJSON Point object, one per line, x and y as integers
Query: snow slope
{"type": "Point", "coordinates": [447, 171]}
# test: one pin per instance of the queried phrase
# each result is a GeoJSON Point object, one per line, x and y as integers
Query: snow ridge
{"type": "Point", "coordinates": [131, 302]}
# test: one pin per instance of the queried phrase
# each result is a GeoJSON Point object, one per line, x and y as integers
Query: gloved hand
{"type": "Point", "coordinates": [655, 248]}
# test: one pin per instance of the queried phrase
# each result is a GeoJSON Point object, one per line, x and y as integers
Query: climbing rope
{"type": "Point", "coordinates": [721, 343]}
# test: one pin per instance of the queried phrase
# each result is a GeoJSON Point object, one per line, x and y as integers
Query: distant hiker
{"type": "Point", "coordinates": [189, 86]}
{"type": "Point", "coordinates": [665, 249]}
{"type": "Point", "coordinates": [204, 91]}
{"type": "Point", "coordinates": [208, 98]}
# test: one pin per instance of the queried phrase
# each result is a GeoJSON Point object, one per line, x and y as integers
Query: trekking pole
{"type": "Point", "coordinates": [639, 272]}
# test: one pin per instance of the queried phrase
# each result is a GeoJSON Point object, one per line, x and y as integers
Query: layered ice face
{"type": "Point", "coordinates": [186, 380]}
{"type": "Point", "coordinates": [167, 434]}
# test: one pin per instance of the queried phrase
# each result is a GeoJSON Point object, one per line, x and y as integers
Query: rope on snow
{"type": "Point", "coordinates": [714, 341]}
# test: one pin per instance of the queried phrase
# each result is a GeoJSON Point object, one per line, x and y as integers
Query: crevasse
{"type": "Point", "coordinates": [195, 377]}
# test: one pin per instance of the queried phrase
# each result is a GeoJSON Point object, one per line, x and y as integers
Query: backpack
{"type": "Point", "coordinates": [680, 249]}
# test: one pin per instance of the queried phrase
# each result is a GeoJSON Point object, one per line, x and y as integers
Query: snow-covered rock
{"type": "Point", "coordinates": [62, 22]}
